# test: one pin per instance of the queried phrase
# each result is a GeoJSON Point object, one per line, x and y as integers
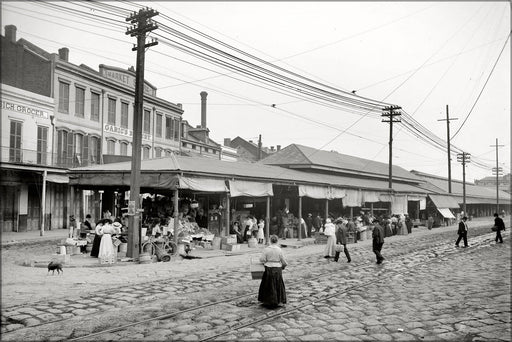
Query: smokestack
{"type": "Point", "coordinates": [10, 33]}
{"type": "Point", "coordinates": [227, 141]}
{"type": "Point", "coordinates": [278, 147]}
{"type": "Point", "coordinates": [64, 54]}
{"type": "Point", "coordinates": [203, 108]}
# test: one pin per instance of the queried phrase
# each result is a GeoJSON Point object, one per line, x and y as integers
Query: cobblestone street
{"type": "Point", "coordinates": [425, 290]}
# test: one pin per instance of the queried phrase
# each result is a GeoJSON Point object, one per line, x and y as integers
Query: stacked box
{"type": "Point", "coordinates": [231, 247]}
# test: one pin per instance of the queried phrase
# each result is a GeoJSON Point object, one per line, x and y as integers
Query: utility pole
{"type": "Point", "coordinates": [259, 148]}
{"type": "Point", "coordinates": [498, 171]}
{"type": "Point", "coordinates": [142, 25]}
{"type": "Point", "coordinates": [448, 141]}
{"type": "Point", "coordinates": [390, 113]}
{"type": "Point", "coordinates": [464, 158]}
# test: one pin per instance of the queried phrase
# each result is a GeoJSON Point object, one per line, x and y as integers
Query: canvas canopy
{"type": "Point", "coordinates": [239, 188]}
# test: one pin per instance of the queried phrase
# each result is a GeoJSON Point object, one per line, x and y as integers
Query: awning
{"type": "Point", "coordinates": [370, 196]}
{"type": "Point", "coordinates": [446, 212]}
{"type": "Point", "coordinates": [203, 184]}
{"type": "Point", "coordinates": [352, 199]}
{"type": "Point", "coordinates": [399, 205]}
{"type": "Point", "coordinates": [444, 201]}
{"type": "Point", "coordinates": [54, 178]}
{"type": "Point", "coordinates": [249, 188]}
{"type": "Point", "coordinates": [327, 192]}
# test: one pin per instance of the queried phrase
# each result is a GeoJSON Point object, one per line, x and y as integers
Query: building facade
{"type": "Point", "coordinates": [57, 115]}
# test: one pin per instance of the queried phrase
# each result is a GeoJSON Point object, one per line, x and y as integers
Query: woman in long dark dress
{"type": "Point", "coordinates": [272, 291]}
{"type": "Point", "coordinates": [97, 238]}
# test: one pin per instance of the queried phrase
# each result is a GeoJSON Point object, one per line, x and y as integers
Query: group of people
{"type": "Point", "coordinates": [252, 228]}
{"type": "Point", "coordinates": [102, 246]}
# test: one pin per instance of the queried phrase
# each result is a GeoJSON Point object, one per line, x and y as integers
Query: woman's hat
{"type": "Point", "coordinates": [328, 220]}
{"type": "Point", "coordinates": [117, 225]}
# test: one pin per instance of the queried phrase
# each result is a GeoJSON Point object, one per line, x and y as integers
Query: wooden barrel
{"type": "Point", "coordinates": [145, 258]}
{"type": "Point", "coordinates": [88, 248]}
{"type": "Point", "coordinates": [123, 247]}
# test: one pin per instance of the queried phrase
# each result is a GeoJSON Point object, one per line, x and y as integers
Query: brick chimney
{"type": "Point", "coordinates": [227, 141]}
{"type": "Point", "coordinates": [64, 54]}
{"type": "Point", "coordinates": [203, 108]}
{"type": "Point", "coordinates": [278, 148]}
{"type": "Point", "coordinates": [10, 33]}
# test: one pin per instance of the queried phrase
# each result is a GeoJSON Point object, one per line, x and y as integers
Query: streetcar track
{"type": "Point", "coordinates": [445, 247]}
{"type": "Point", "coordinates": [442, 244]}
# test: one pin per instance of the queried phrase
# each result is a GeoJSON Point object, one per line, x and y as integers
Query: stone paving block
{"type": "Point", "coordinates": [382, 337]}
{"type": "Point", "coordinates": [311, 337]}
{"type": "Point", "coordinates": [11, 327]}
{"type": "Point", "coordinates": [31, 321]}
{"type": "Point", "coordinates": [450, 336]}
{"type": "Point", "coordinates": [20, 317]}
{"type": "Point", "coordinates": [401, 336]}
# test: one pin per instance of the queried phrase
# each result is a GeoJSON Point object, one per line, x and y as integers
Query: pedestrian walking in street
{"type": "Point", "coordinates": [351, 227]}
{"type": "Point", "coordinates": [430, 222]}
{"type": "Point", "coordinates": [500, 225]}
{"type": "Point", "coordinates": [272, 291]}
{"type": "Point", "coordinates": [378, 240]}
{"type": "Point", "coordinates": [463, 232]}
{"type": "Point", "coordinates": [408, 223]}
{"type": "Point", "coordinates": [341, 238]}
{"type": "Point", "coordinates": [330, 232]}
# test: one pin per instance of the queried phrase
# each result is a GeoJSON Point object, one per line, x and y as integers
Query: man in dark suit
{"type": "Point", "coordinates": [378, 240]}
{"type": "Point", "coordinates": [500, 225]}
{"type": "Point", "coordinates": [463, 232]}
{"type": "Point", "coordinates": [341, 238]}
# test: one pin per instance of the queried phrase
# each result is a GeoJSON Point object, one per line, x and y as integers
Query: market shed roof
{"type": "Point", "coordinates": [160, 172]}
{"type": "Point", "coordinates": [474, 193]}
{"type": "Point", "coordinates": [303, 157]}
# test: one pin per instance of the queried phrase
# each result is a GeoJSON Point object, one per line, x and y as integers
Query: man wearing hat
{"type": "Point", "coordinates": [309, 223]}
{"type": "Point", "coordinates": [463, 232]}
{"type": "Point", "coordinates": [341, 238]}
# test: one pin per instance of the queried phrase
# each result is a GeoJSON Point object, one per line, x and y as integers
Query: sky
{"type": "Point", "coordinates": [421, 56]}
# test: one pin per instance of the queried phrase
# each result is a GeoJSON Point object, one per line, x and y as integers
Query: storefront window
{"type": "Point", "coordinates": [15, 142]}
{"type": "Point", "coordinates": [63, 97]}
{"type": "Point", "coordinates": [79, 101]}
{"type": "Point", "coordinates": [42, 145]}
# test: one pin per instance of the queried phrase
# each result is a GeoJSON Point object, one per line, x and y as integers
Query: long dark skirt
{"type": "Point", "coordinates": [96, 246]}
{"type": "Point", "coordinates": [272, 291]}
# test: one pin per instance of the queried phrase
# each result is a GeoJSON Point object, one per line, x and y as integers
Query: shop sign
{"type": "Point", "coordinates": [24, 109]}
{"type": "Point", "coordinates": [126, 79]}
{"type": "Point", "coordinates": [131, 207]}
{"type": "Point", "coordinates": [124, 131]}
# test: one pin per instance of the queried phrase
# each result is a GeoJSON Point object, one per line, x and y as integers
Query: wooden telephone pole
{"type": "Point", "coordinates": [498, 171]}
{"type": "Point", "coordinates": [464, 158]}
{"type": "Point", "coordinates": [142, 25]}
{"type": "Point", "coordinates": [448, 141]}
{"type": "Point", "coordinates": [391, 112]}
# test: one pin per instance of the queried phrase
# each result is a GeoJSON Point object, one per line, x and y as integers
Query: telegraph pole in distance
{"type": "Point", "coordinates": [142, 25]}
{"type": "Point", "coordinates": [464, 158]}
{"type": "Point", "coordinates": [498, 172]}
{"type": "Point", "coordinates": [391, 112]}
{"type": "Point", "coordinates": [448, 141]}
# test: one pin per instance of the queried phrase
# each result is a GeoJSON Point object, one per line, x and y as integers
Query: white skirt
{"type": "Point", "coordinates": [329, 247]}
{"type": "Point", "coordinates": [107, 251]}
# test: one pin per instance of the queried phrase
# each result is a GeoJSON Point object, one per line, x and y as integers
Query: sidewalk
{"type": "Point", "coordinates": [34, 236]}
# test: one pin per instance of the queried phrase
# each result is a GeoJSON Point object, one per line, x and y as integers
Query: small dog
{"type": "Point", "coordinates": [55, 266]}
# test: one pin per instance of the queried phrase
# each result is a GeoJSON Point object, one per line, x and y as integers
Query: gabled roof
{"type": "Point", "coordinates": [303, 157]}
{"type": "Point", "coordinates": [249, 146]}
{"type": "Point", "coordinates": [472, 190]}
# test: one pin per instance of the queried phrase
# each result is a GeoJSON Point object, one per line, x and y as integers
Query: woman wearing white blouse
{"type": "Point", "coordinates": [330, 232]}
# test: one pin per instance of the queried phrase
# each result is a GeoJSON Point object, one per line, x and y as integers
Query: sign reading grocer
{"type": "Point", "coordinates": [15, 107]}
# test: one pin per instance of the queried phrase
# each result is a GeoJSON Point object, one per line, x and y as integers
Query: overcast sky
{"type": "Point", "coordinates": [421, 56]}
